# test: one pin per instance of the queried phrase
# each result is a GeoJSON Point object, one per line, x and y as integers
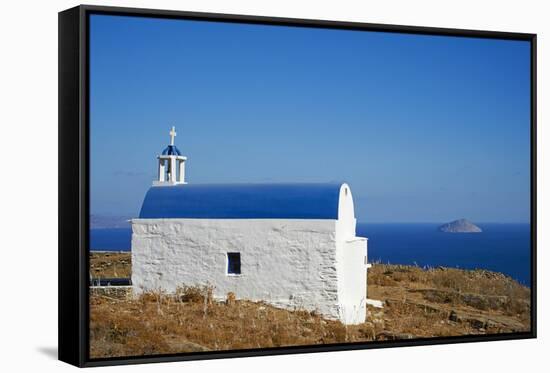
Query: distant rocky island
{"type": "Point", "coordinates": [460, 226]}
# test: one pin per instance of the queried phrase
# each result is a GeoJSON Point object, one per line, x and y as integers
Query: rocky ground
{"type": "Point", "coordinates": [418, 303]}
{"type": "Point", "coordinates": [446, 302]}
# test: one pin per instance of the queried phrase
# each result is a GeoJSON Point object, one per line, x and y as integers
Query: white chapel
{"type": "Point", "coordinates": [292, 245]}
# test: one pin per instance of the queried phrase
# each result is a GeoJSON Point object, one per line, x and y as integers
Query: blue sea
{"type": "Point", "coordinates": [500, 247]}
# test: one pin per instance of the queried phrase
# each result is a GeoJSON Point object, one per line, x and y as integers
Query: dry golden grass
{"type": "Point", "coordinates": [418, 303]}
{"type": "Point", "coordinates": [110, 265]}
{"type": "Point", "coordinates": [477, 289]}
{"type": "Point", "coordinates": [189, 321]}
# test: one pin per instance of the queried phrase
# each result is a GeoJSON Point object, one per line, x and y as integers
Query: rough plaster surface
{"type": "Point", "coordinates": [352, 280]}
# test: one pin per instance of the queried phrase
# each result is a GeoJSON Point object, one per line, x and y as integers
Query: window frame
{"type": "Point", "coordinates": [234, 254]}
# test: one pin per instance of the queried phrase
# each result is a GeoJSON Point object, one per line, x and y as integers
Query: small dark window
{"type": "Point", "coordinates": [234, 263]}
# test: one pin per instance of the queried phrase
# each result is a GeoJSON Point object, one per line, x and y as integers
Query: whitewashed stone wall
{"type": "Point", "coordinates": [351, 260]}
{"type": "Point", "coordinates": [288, 263]}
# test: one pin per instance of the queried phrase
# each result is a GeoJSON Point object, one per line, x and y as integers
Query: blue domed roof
{"type": "Point", "coordinates": [242, 201]}
{"type": "Point", "coordinates": [171, 150]}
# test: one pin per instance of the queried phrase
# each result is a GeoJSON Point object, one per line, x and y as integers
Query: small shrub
{"type": "Point", "coordinates": [194, 294]}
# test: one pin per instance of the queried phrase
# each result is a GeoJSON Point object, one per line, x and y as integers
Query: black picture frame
{"type": "Point", "coordinates": [74, 219]}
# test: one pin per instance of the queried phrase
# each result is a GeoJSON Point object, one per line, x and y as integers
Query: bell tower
{"type": "Point", "coordinates": [171, 164]}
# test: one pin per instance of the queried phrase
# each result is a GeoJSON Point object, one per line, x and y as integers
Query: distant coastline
{"type": "Point", "coordinates": [109, 221]}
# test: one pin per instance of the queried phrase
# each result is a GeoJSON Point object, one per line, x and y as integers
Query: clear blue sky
{"type": "Point", "coordinates": [423, 128]}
